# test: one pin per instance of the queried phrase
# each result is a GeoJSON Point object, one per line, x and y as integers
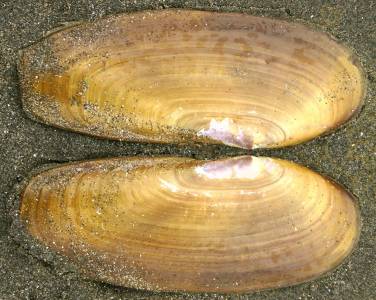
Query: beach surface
{"type": "Point", "coordinates": [347, 155]}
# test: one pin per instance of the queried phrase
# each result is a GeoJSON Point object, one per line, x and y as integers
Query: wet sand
{"type": "Point", "coordinates": [348, 155]}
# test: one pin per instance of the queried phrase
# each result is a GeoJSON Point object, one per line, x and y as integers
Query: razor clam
{"type": "Point", "coordinates": [171, 223]}
{"type": "Point", "coordinates": [178, 76]}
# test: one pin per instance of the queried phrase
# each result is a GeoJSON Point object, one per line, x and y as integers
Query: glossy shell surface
{"type": "Point", "coordinates": [231, 225]}
{"type": "Point", "coordinates": [192, 76]}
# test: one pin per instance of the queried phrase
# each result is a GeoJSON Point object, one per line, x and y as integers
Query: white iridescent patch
{"type": "Point", "coordinates": [236, 168]}
{"type": "Point", "coordinates": [228, 132]}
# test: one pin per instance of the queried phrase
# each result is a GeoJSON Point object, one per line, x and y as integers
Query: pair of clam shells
{"type": "Point", "coordinates": [171, 223]}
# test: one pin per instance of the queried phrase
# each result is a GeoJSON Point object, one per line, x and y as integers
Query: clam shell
{"type": "Point", "coordinates": [237, 224]}
{"type": "Point", "coordinates": [179, 76]}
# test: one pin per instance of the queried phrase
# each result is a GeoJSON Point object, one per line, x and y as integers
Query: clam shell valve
{"type": "Point", "coordinates": [192, 76]}
{"type": "Point", "coordinates": [231, 225]}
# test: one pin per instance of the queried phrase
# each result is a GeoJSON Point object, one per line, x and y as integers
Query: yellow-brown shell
{"type": "Point", "coordinates": [180, 76]}
{"type": "Point", "coordinates": [237, 224]}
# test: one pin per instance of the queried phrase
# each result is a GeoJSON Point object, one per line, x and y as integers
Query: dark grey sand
{"type": "Point", "coordinates": [348, 155]}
